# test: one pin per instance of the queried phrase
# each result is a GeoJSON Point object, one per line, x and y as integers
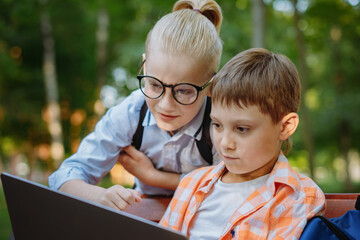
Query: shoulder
{"type": "Point", "coordinates": [297, 187]}
{"type": "Point", "coordinates": [311, 190]}
{"type": "Point", "coordinates": [132, 103]}
{"type": "Point", "coordinates": [123, 118]}
{"type": "Point", "coordinates": [128, 109]}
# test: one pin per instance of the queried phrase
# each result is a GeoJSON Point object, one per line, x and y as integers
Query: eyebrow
{"type": "Point", "coordinates": [236, 121]}
{"type": "Point", "coordinates": [148, 75]}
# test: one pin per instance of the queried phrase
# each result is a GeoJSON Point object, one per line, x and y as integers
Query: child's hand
{"type": "Point", "coordinates": [119, 198]}
{"type": "Point", "coordinates": [137, 163]}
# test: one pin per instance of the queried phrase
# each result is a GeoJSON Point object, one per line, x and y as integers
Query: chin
{"type": "Point", "coordinates": [235, 169]}
{"type": "Point", "coordinates": [167, 127]}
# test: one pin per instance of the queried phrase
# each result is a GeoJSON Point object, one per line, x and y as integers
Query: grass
{"type": "Point", "coordinates": [5, 226]}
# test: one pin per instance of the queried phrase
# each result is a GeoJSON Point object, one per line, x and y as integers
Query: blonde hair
{"type": "Point", "coordinates": [192, 29]}
{"type": "Point", "coordinates": [261, 78]}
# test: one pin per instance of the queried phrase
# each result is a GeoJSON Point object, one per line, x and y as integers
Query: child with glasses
{"type": "Point", "coordinates": [183, 52]}
{"type": "Point", "coordinates": [253, 193]}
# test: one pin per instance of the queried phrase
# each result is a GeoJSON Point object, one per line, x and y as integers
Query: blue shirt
{"type": "Point", "coordinates": [98, 152]}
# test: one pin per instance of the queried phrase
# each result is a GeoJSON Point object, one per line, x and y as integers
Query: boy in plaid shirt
{"type": "Point", "coordinates": [253, 193]}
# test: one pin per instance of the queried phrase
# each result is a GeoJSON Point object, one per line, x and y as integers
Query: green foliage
{"type": "Point", "coordinates": [331, 35]}
{"type": "Point", "coordinates": [331, 31]}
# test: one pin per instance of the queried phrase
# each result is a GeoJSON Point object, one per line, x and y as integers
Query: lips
{"type": "Point", "coordinates": [166, 118]}
{"type": "Point", "coordinates": [228, 158]}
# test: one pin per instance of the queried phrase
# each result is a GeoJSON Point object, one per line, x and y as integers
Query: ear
{"type": "Point", "coordinates": [289, 124]}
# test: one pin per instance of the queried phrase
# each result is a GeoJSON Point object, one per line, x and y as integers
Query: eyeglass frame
{"type": "Point", "coordinates": [198, 88]}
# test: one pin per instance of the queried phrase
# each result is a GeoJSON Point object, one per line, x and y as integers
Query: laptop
{"type": "Point", "coordinates": [37, 212]}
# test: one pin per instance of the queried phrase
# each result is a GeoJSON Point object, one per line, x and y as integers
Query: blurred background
{"type": "Point", "coordinates": [64, 63]}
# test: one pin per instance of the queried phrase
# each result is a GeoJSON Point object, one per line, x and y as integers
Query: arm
{"type": "Point", "coordinates": [97, 154]}
{"type": "Point", "coordinates": [116, 197]}
{"type": "Point", "coordinates": [139, 165]}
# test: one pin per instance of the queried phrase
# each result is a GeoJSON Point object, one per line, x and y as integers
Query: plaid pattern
{"type": "Point", "coordinates": [279, 209]}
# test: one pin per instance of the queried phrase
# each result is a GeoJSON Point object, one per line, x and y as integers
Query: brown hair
{"type": "Point", "coordinates": [191, 32]}
{"type": "Point", "coordinates": [261, 78]}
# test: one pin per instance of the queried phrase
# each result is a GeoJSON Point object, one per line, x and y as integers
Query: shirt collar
{"type": "Point", "coordinates": [281, 173]}
{"type": "Point", "coordinates": [190, 129]}
{"type": "Point", "coordinates": [149, 119]}
{"type": "Point", "coordinates": [211, 178]}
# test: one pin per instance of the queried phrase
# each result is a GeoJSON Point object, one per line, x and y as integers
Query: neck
{"type": "Point", "coordinates": [172, 133]}
{"type": "Point", "coordinates": [230, 177]}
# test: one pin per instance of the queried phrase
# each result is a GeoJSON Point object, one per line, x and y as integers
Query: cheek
{"type": "Point", "coordinates": [150, 103]}
{"type": "Point", "coordinates": [190, 111]}
{"type": "Point", "coordinates": [216, 139]}
{"type": "Point", "coordinates": [219, 144]}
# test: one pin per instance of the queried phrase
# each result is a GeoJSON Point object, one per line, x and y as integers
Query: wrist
{"type": "Point", "coordinates": [151, 176]}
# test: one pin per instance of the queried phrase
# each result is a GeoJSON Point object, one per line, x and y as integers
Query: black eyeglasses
{"type": "Point", "coordinates": [183, 93]}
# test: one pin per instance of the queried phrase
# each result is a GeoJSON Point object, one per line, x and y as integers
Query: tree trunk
{"type": "Point", "coordinates": [258, 23]}
{"type": "Point", "coordinates": [344, 126]}
{"type": "Point", "coordinates": [51, 88]}
{"type": "Point", "coordinates": [101, 53]}
{"type": "Point", "coordinates": [303, 72]}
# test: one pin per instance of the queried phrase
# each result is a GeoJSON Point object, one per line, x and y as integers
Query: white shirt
{"type": "Point", "coordinates": [99, 151]}
{"type": "Point", "coordinates": [221, 203]}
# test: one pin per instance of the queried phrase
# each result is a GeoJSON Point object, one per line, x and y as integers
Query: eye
{"type": "Point", "coordinates": [242, 129]}
{"type": "Point", "coordinates": [155, 85]}
{"type": "Point", "coordinates": [184, 90]}
{"type": "Point", "coordinates": [215, 125]}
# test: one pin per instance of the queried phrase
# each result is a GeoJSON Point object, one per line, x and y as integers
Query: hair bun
{"type": "Point", "coordinates": [209, 8]}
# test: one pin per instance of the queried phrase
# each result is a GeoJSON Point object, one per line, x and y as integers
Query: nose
{"type": "Point", "coordinates": [227, 141]}
{"type": "Point", "coordinates": [166, 101]}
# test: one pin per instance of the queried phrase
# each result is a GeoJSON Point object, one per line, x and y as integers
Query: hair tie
{"type": "Point", "coordinates": [196, 10]}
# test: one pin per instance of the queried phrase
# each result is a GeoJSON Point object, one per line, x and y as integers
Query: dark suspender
{"type": "Point", "coordinates": [137, 138]}
{"type": "Point", "coordinates": [204, 145]}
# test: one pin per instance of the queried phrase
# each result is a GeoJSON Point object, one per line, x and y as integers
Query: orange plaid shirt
{"type": "Point", "coordinates": [279, 209]}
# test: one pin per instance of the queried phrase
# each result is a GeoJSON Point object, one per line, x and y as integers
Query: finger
{"type": "Point", "coordinates": [127, 196]}
{"type": "Point", "coordinates": [133, 152]}
{"type": "Point", "coordinates": [120, 204]}
{"type": "Point", "coordinates": [122, 153]}
{"type": "Point", "coordinates": [137, 195]}
{"type": "Point", "coordinates": [108, 200]}
{"type": "Point", "coordinates": [114, 206]}
{"type": "Point", "coordinates": [129, 149]}
{"type": "Point", "coordinates": [117, 198]}
{"type": "Point", "coordinates": [123, 158]}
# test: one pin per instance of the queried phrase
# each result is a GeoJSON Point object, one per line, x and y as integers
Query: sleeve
{"type": "Point", "coordinates": [174, 213]}
{"type": "Point", "coordinates": [291, 217]}
{"type": "Point", "coordinates": [183, 199]}
{"type": "Point", "coordinates": [98, 152]}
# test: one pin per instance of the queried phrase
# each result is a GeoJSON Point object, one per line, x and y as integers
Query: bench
{"type": "Point", "coordinates": [152, 208]}
{"type": "Point", "coordinates": [339, 203]}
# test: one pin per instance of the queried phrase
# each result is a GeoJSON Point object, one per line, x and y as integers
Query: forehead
{"type": "Point", "coordinates": [234, 113]}
{"type": "Point", "coordinates": [173, 69]}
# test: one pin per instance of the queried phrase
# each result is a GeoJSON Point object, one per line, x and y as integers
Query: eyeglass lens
{"type": "Point", "coordinates": [183, 93]}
